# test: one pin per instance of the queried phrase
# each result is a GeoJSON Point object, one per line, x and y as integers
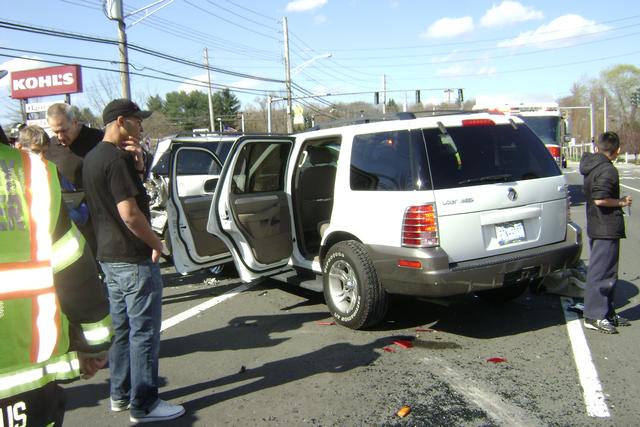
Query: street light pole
{"type": "Point", "coordinates": [287, 70]}
{"type": "Point", "coordinates": [206, 63]}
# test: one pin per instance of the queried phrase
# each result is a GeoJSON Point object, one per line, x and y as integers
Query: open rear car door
{"type": "Point", "coordinates": [250, 211]}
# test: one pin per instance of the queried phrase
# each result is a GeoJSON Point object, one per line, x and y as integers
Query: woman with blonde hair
{"type": "Point", "coordinates": [33, 138]}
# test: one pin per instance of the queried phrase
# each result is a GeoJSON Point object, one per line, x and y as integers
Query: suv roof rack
{"type": "Point", "coordinates": [361, 120]}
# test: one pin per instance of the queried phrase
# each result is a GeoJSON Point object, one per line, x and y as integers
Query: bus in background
{"type": "Point", "coordinates": [544, 118]}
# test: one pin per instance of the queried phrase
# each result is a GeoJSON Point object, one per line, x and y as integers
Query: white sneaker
{"type": "Point", "coordinates": [120, 405]}
{"type": "Point", "coordinates": [162, 412]}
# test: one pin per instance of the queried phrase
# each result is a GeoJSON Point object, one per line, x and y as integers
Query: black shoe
{"type": "Point", "coordinates": [602, 325]}
{"type": "Point", "coordinates": [618, 321]}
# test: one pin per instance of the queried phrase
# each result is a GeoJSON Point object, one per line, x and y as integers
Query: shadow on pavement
{"type": "Point", "coordinates": [241, 333]}
{"type": "Point", "coordinates": [335, 358]}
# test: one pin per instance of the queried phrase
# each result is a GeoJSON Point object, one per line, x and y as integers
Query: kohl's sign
{"type": "Point", "coordinates": [46, 81]}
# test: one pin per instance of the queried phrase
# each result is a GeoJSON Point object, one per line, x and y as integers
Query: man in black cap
{"type": "Point", "coordinates": [128, 252]}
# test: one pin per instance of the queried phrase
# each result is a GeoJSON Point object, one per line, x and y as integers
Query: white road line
{"type": "Point", "coordinates": [630, 188]}
{"type": "Point", "coordinates": [591, 387]}
{"type": "Point", "coordinates": [194, 311]}
{"type": "Point", "coordinates": [496, 408]}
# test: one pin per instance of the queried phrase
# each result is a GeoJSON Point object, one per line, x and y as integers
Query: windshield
{"type": "Point", "coordinates": [547, 128]}
{"type": "Point", "coordinates": [476, 155]}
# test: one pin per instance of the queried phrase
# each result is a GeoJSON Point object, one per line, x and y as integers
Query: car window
{"type": "Point", "coordinates": [475, 155]}
{"type": "Point", "coordinates": [260, 167]}
{"type": "Point", "coordinates": [162, 166]}
{"type": "Point", "coordinates": [196, 162]}
{"type": "Point", "coordinates": [389, 161]}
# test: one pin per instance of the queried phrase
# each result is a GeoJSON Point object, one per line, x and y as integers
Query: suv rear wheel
{"type": "Point", "coordinates": [351, 287]}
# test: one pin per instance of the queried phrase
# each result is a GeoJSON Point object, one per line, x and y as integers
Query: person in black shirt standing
{"type": "Point", "coordinates": [128, 252]}
{"type": "Point", "coordinates": [71, 142]}
{"type": "Point", "coordinates": [605, 228]}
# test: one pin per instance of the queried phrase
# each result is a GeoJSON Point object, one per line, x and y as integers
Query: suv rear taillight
{"type": "Point", "coordinates": [420, 226]}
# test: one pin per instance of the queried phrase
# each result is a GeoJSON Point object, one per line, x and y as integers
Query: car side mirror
{"type": "Point", "coordinates": [210, 185]}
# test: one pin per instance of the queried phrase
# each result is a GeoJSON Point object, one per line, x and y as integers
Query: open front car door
{"type": "Point", "coordinates": [194, 173]}
{"type": "Point", "coordinates": [250, 209]}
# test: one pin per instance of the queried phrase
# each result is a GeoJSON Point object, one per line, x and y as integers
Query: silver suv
{"type": "Point", "coordinates": [431, 206]}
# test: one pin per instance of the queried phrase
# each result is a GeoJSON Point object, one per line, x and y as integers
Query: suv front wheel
{"type": "Point", "coordinates": [351, 287]}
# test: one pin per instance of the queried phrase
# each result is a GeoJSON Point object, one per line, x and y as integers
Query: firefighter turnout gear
{"type": "Point", "coordinates": [52, 303]}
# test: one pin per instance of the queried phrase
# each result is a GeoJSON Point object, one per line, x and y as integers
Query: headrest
{"type": "Point", "coordinates": [319, 155]}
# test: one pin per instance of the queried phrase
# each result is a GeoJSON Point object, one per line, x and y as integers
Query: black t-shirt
{"type": "Point", "coordinates": [110, 177]}
{"type": "Point", "coordinates": [68, 159]}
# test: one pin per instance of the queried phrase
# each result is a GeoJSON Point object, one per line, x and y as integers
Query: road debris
{"type": "Point", "coordinates": [243, 369]}
{"type": "Point", "coordinates": [321, 323]}
{"type": "Point", "coordinates": [496, 360]}
{"type": "Point", "coordinates": [262, 293]}
{"type": "Point", "coordinates": [404, 411]}
{"type": "Point", "coordinates": [403, 343]}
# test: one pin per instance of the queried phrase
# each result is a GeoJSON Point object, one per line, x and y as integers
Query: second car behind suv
{"type": "Point", "coordinates": [431, 206]}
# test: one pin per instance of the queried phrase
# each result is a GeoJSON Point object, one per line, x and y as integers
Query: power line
{"type": "Point", "coordinates": [466, 42]}
{"type": "Point", "coordinates": [251, 11]}
{"type": "Point", "coordinates": [241, 16]}
{"type": "Point", "coordinates": [51, 32]}
{"type": "Point", "coordinates": [228, 21]}
{"type": "Point", "coordinates": [134, 73]}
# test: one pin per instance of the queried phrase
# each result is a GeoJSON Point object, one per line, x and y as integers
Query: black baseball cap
{"type": "Point", "coordinates": [122, 107]}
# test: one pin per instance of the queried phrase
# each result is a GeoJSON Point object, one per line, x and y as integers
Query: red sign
{"type": "Point", "coordinates": [46, 81]}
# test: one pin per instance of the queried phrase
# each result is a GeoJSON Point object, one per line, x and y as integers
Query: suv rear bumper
{"type": "Point", "coordinates": [438, 278]}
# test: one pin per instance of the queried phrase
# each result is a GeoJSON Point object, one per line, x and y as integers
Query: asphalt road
{"type": "Point", "coordinates": [266, 356]}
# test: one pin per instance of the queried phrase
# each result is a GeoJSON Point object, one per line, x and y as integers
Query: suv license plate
{"type": "Point", "coordinates": [510, 232]}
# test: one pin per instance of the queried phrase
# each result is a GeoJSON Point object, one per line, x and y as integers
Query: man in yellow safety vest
{"type": "Point", "coordinates": [54, 321]}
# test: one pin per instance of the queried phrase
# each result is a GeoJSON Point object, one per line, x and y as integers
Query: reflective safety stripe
{"type": "Point", "coordinates": [47, 326]}
{"type": "Point", "coordinates": [99, 332]}
{"type": "Point", "coordinates": [25, 279]}
{"type": "Point", "coordinates": [63, 367]}
{"type": "Point", "coordinates": [41, 207]}
{"type": "Point", "coordinates": [67, 250]}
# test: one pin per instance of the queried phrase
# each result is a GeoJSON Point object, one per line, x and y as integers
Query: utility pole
{"type": "Point", "coordinates": [604, 106]}
{"type": "Point", "coordinates": [124, 54]}
{"type": "Point", "coordinates": [287, 70]}
{"type": "Point", "coordinates": [269, 114]}
{"type": "Point", "coordinates": [206, 64]}
{"type": "Point", "coordinates": [593, 125]}
{"type": "Point", "coordinates": [384, 94]}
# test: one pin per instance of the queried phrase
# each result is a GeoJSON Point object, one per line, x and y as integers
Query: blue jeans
{"type": "Point", "coordinates": [135, 297]}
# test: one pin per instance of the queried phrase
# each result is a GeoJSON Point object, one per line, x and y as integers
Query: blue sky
{"type": "Point", "coordinates": [525, 51]}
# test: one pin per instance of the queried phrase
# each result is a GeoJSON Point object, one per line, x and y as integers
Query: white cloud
{"type": "Point", "coordinates": [453, 71]}
{"type": "Point", "coordinates": [449, 27]}
{"type": "Point", "coordinates": [508, 12]}
{"type": "Point", "coordinates": [459, 70]}
{"type": "Point", "coordinates": [190, 86]}
{"type": "Point", "coordinates": [562, 31]}
{"type": "Point", "coordinates": [19, 64]}
{"type": "Point", "coordinates": [304, 5]}
{"type": "Point", "coordinates": [445, 58]}
{"type": "Point", "coordinates": [319, 19]}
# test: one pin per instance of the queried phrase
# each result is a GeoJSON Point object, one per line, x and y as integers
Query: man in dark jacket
{"type": "Point", "coordinates": [605, 228]}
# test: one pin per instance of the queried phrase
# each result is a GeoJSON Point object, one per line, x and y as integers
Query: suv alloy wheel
{"type": "Point", "coordinates": [351, 286]}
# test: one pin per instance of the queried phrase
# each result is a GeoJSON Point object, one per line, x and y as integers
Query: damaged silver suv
{"type": "Point", "coordinates": [425, 206]}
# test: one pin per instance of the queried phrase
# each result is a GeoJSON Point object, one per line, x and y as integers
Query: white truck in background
{"type": "Point", "coordinates": [544, 118]}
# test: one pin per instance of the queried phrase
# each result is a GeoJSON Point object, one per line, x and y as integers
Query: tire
{"type": "Point", "coordinates": [352, 290]}
{"type": "Point", "coordinates": [504, 294]}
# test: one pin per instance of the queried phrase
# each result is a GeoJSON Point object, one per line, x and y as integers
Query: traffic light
{"type": "Point", "coordinates": [376, 98]}
{"type": "Point", "coordinates": [460, 96]}
{"type": "Point", "coordinates": [417, 96]}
